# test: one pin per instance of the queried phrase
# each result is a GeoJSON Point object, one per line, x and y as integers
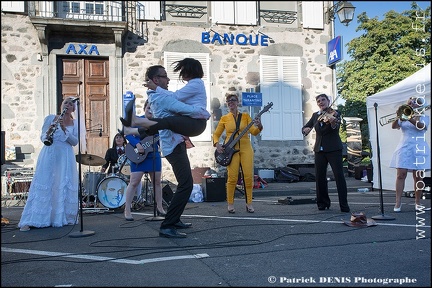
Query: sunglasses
{"type": "Point", "coordinates": [231, 100]}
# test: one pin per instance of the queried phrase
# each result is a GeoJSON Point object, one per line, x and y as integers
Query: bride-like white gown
{"type": "Point", "coordinates": [53, 194]}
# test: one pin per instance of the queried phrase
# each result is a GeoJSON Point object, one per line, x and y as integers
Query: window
{"type": "Point", "coordinates": [234, 12]}
{"type": "Point", "coordinates": [175, 83]}
{"type": "Point", "coordinates": [88, 10]}
{"type": "Point", "coordinates": [280, 83]}
{"type": "Point", "coordinates": [313, 14]}
{"type": "Point", "coordinates": [12, 6]}
{"type": "Point", "coordinates": [149, 10]}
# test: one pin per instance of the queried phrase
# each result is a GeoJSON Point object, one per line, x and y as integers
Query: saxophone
{"type": "Point", "coordinates": [54, 126]}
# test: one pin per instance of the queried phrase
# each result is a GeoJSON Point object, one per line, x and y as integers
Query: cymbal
{"type": "Point", "coordinates": [91, 160]}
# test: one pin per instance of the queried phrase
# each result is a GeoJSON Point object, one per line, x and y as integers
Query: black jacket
{"type": "Point", "coordinates": [326, 137]}
{"type": "Point", "coordinates": [111, 157]}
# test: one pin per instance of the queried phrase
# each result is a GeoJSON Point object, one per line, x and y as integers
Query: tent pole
{"type": "Point", "coordinates": [382, 216]}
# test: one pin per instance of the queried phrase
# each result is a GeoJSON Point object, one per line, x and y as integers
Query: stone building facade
{"type": "Point", "coordinates": [31, 75]}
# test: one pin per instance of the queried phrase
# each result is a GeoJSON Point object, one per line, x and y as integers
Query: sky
{"type": "Point", "coordinates": [372, 9]}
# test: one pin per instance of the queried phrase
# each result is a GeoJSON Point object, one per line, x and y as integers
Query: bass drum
{"type": "Point", "coordinates": [112, 192]}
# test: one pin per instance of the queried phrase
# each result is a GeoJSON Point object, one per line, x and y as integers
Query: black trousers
{"type": "Point", "coordinates": [183, 125]}
{"type": "Point", "coordinates": [182, 171]}
{"type": "Point", "coordinates": [334, 158]}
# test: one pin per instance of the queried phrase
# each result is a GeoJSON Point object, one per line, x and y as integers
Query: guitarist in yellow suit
{"type": "Point", "coordinates": [152, 163]}
{"type": "Point", "coordinates": [242, 155]}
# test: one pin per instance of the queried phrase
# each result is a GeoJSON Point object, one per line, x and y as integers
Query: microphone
{"type": "Point", "coordinates": [100, 132]}
{"type": "Point", "coordinates": [76, 99]}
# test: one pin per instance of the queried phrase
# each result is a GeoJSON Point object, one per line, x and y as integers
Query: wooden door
{"type": "Point", "coordinates": [88, 79]}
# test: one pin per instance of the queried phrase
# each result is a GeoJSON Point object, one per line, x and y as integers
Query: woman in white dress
{"type": "Point", "coordinates": [412, 153]}
{"type": "Point", "coordinates": [53, 194]}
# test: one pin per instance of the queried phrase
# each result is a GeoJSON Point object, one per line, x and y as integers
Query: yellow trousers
{"type": "Point", "coordinates": [243, 158]}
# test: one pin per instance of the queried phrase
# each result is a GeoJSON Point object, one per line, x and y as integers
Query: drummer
{"type": "Point", "coordinates": [113, 153]}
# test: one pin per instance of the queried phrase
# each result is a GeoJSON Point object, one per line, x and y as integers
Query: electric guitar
{"type": "Point", "coordinates": [132, 153]}
{"type": "Point", "coordinates": [225, 157]}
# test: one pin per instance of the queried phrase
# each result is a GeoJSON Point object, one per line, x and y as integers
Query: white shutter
{"type": "Point", "coordinates": [281, 84]}
{"type": "Point", "coordinates": [46, 8]}
{"type": "Point", "coordinates": [12, 6]}
{"type": "Point", "coordinates": [175, 83]}
{"type": "Point", "coordinates": [245, 13]}
{"type": "Point", "coordinates": [313, 14]}
{"type": "Point", "coordinates": [150, 11]}
{"type": "Point", "coordinates": [222, 12]}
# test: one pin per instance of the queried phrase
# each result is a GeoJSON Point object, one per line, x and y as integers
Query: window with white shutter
{"type": "Point", "coordinates": [149, 10]}
{"type": "Point", "coordinates": [234, 12]}
{"type": "Point", "coordinates": [313, 14]}
{"type": "Point", "coordinates": [12, 6]}
{"type": "Point", "coordinates": [281, 84]}
{"type": "Point", "coordinates": [176, 83]}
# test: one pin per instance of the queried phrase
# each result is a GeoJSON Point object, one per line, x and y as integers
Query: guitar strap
{"type": "Point", "coordinates": [238, 123]}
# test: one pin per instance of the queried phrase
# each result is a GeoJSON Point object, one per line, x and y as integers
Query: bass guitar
{"type": "Point", "coordinates": [225, 157]}
{"type": "Point", "coordinates": [132, 153]}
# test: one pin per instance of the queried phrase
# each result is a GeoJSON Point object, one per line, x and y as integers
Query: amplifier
{"type": "Point", "coordinates": [214, 189]}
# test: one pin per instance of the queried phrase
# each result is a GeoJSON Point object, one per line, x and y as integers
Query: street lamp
{"type": "Point", "coordinates": [344, 10]}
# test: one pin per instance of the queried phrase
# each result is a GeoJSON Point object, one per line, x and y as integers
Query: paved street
{"type": "Point", "coordinates": [278, 246]}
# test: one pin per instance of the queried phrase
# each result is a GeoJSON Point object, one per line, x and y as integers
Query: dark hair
{"type": "Point", "coordinates": [322, 95]}
{"type": "Point", "coordinates": [153, 71]}
{"type": "Point", "coordinates": [189, 67]}
{"type": "Point", "coordinates": [231, 95]}
{"type": "Point", "coordinates": [114, 144]}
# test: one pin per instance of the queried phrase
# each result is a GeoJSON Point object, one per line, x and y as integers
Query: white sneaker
{"type": "Point", "coordinates": [25, 228]}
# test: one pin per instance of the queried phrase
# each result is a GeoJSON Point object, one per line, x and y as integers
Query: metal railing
{"type": "Point", "coordinates": [93, 11]}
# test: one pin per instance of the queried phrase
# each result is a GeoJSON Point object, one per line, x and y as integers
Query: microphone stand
{"type": "Point", "coordinates": [81, 233]}
{"type": "Point", "coordinates": [155, 217]}
{"type": "Point", "coordinates": [382, 216]}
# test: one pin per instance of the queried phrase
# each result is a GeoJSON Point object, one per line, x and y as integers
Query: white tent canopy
{"type": "Point", "coordinates": [387, 103]}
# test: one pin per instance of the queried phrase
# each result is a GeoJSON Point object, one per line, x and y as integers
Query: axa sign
{"type": "Point", "coordinates": [83, 49]}
{"type": "Point", "coordinates": [334, 51]}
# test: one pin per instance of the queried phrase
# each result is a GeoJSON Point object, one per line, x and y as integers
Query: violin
{"type": "Point", "coordinates": [328, 115]}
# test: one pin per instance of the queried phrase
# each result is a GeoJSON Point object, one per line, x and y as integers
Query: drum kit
{"type": "Point", "coordinates": [109, 189]}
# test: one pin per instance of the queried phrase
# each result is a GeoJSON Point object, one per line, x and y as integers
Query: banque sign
{"type": "Point", "coordinates": [231, 39]}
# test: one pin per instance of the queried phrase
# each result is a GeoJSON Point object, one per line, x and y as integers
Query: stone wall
{"type": "Point", "coordinates": [232, 68]}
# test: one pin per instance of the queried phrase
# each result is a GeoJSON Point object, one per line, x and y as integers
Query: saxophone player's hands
{"type": "Point", "coordinates": [62, 125]}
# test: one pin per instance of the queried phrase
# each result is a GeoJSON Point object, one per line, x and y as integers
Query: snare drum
{"type": "Point", "coordinates": [91, 181]}
{"type": "Point", "coordinates": [111, 191]}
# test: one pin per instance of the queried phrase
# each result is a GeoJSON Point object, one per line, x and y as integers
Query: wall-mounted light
{"type": "Point", "coordinates": [39, 57]}
{"type": "Point", "coordinates": [344, 10]}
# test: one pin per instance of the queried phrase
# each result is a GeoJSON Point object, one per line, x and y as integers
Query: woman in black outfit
{"type": "Point", "coordinates": [328, 150]}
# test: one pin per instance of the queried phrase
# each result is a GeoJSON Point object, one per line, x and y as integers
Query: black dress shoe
{"type": "Point", "coordinates": [127, 121]}
{"type": "Point", "coordinates": [345, 210]}
{"type": "Point", "coordinates": [323, 207]}
{"type": "Point", "coordinates": [171, 233]}
{"type": "Point", "coordinates": [181, 225]}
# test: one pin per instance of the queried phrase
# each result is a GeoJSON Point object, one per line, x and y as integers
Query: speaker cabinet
{"type": "Point", "coordinates": [214, 189]}
{"type": "Point", "coordinates": [167, 194]}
